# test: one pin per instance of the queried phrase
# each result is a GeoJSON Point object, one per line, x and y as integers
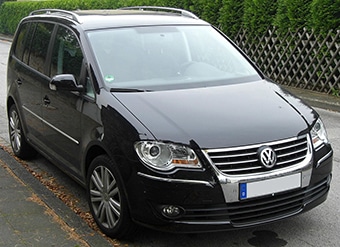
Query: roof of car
{"type": "Point", "coordinates": [125, 17]}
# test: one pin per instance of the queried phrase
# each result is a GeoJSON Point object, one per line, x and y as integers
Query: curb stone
{"type": "Point", "coordinates": [91, 237]}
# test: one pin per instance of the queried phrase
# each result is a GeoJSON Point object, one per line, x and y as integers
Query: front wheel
{"type": "Point", "coordinates": [20, 146]}
{"type": "Point", "coordinates": [107, 200]}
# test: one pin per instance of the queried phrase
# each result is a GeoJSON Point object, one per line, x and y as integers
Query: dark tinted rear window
{"type": "Point", "coordinates": [39, 46]}
{"type": "Point", "coordinates": [23, 40]}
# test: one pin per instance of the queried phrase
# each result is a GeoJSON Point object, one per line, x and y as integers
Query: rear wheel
{"type": "Point", "coordinates": [107, 201]}
{"type": "Point", "coordinates": [20, 146]}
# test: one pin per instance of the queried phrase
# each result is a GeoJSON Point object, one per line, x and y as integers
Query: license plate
{"type": "Point", "coordinates": [269, 186]}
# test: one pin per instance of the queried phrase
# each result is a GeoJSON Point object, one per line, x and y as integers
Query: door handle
{"type": "Point", "coordinates": [18, 81]}
{"type": "Point", "coordinates": [46, 100]}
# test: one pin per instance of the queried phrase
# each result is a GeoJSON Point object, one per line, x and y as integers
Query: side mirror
{"type": "Point", "coordinates": [65, 82]}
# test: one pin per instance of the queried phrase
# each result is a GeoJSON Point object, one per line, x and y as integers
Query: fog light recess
{"type": "Point", "coordinates": [172, 212]}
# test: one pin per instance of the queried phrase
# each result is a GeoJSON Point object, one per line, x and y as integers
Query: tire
{"type": "Point", "coordinates": [107, 200]}
{"type": "Point", "coordinates": [19, 144]}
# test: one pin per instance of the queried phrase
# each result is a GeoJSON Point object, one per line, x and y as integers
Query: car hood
{"type": "Point", "coordinates": [221, 116]}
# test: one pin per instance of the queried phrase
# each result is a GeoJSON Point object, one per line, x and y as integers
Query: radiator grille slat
{"type": "Point", "coordinates": [244, 160]}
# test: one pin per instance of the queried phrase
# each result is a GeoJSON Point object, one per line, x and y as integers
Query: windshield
{"type": "Point", "coordinates": [162, 57]}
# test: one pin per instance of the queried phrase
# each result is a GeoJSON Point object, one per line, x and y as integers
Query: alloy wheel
{"type": "Point", "coordinates": [15, 131]}
{"type": "Point", "coordinates": [105, 197]}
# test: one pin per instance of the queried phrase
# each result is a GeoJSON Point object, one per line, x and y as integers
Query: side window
{"type": "Point", "coordinates": [39, 46]}
{"type": "Point", "coordinates": [89, 87]}
{"type": "Point", "coordinates": [67, 57]}
{"type": "Point", "coordinates": [26, 48]}
{"type": "Point", "coordinates": [23, 39]}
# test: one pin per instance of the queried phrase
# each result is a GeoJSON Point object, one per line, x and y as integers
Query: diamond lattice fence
{"type": "Point", "coordinates": [300, 59]}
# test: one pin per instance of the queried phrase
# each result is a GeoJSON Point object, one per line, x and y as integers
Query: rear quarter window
{"type": "Point", "coordinates": [21, 40]}
{"type": "Point", "coordinates": [39, 46]}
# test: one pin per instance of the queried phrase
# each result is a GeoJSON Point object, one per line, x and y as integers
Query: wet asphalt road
{"type": "Point", "coordinates": [319, 227]}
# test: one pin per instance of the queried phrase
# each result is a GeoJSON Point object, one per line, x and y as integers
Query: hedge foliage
{"type": "Point", "coordinates": [293, 14]}
{"type": "Point", "coordinates": [259, 15]}
{"type": "Point", "coordinates": [229, 15]}
{"type": "Point", "coordinates": [325, 15]}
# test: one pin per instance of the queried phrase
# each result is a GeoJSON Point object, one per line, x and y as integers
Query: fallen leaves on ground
{"type": "Point", "coordinates": [63, 194]}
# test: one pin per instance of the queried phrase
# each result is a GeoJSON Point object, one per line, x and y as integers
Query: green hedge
{"type": "Point", "coordinates": [1, 1]}
{"type": "Point", "coordinates": [293, 14]}
{"type": "Point", "coordinates": [325, 15]}
{"type": "Point", "coordinates": [259, 15]}
{"type": "Point", "coordinates": [12, 12]}
{"type": "Point", "coordinates": [229, 15]}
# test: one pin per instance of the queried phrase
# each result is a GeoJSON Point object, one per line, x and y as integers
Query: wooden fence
{"type": "Point", "coordinates": [301, 59]}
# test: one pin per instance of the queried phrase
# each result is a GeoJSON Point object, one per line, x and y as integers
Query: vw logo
{"type": "Point", "coordinates": [267, 156]}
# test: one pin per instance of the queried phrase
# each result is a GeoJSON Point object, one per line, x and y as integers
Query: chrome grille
{"type": "Point", "coordinates": [244, 160]}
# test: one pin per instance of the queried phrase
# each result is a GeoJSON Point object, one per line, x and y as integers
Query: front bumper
{"type": "Point", "coordinates": [203, 206]}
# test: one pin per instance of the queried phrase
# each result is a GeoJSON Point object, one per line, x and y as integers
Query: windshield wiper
{"type": "Point", "coordinates": [128, 90]}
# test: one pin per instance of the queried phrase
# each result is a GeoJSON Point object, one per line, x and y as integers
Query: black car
{"type": "Point", "coordinates": [164, 121]}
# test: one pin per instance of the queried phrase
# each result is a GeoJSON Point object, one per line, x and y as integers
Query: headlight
{"type": "Point", "coordinates": [319, 134]}
{"type": "Point", "coordinates": [166, 156]}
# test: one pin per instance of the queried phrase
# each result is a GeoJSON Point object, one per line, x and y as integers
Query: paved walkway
{"type": "Point", "coordinates": [31, 215]}
{"type": "Point", "coordinates": [26, 221]}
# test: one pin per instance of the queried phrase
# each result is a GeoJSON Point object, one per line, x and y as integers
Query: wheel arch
{"type": "Point", "coordinates": [10, 102]}
{"type": "Point", "coordinates": [93, 152]}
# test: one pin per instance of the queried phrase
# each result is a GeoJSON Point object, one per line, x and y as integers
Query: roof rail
{"type": "Point", "coordinates": [176, 10]}
{"type": "Point", "coordinates": [59, 12]}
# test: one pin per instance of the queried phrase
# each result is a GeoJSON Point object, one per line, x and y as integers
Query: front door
{"type": "Point", "coordinates": [62, 109]}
